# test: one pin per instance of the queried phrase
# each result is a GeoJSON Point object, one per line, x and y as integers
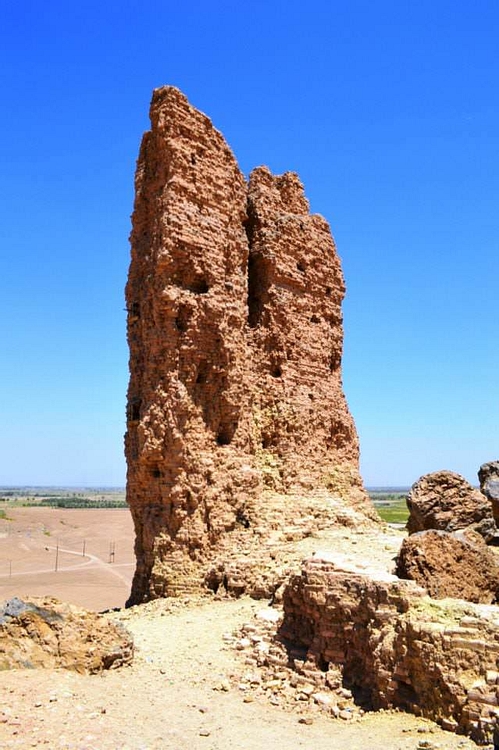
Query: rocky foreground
{"type": "Point", "coordinates": [208, 673]}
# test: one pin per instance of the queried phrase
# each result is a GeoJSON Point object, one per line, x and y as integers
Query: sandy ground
{"type": "Point", "coordinates": [183, 690]}
{"type": "Point", "coordinates": [80, 543]}
{"type": "Point", "coordinates": [172, 698]}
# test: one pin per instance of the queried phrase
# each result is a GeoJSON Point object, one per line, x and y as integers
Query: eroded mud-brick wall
{"type": "Point", "coordinates": [236, 419]}
{"type": "Point", "coordinates": [397, 647]}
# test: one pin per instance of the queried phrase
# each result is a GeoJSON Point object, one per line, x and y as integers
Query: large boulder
{"type": "Point", "coordinates": [488, 475]}
{"type": "Point", "coordinates": [457, 564]}
{"type": "Point", "coordinates": [445, 501]}
{"type": "Point", "coordinates": [44, 632]}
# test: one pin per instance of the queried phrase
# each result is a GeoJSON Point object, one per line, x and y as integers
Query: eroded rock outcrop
{"type": "Point", "coordinates": [238, 433]}
{"type": "Point", "coordinates": [445, 501]}
{"type": "Point", "coordinates": [396, 647]}
{"type": "Point", "coordinates": [43, 632]}
{"type": "Point", "coordinates": [451, 564]}
{"type": "Point", "coordinates": [488, 476]}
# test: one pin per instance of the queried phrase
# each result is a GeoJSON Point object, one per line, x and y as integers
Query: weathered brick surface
{"type": "Point", "coordinates": [238, 433]}
{"type": "Point", "coordinates": [396, 647]}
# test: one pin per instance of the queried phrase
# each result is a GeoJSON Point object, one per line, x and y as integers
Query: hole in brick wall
{"type": "Point", "coordinates": [258, 272]}
{"type": "Point", "coordinates": [182, 319]}
{"type": "Point", "coordinates": [338, 436]}
{"type": "Point", "coordinates": [276, 372]}
{"type": "Point", "coordinates": [301, 267]}
{"type": "Point", "coordinates": [213, 585]}
{"type": "Point", "coordinates": [225, 434]}
{"type": "Point", "coordinates": [134, 310]}
{"type": "Point", "coordinates": [328, 291]}
{"type": "Point", "coordinates": [203, 370]}
{"type": "Point", "coordinates": [334, 361]}
{"type": "Point", "coordinates": [322, 664]}
{"type": "Point", "coordinates": [134, 410]}
{"type": "Point", "coordinates": [256, 289]}
{"type": "Point", "coordinates": [198, 286]}
{"type": "Point", "coordinates": [315, 319]}
{"type": "Point", "coordinates": [242, 518]}
{"type": "Point", "coordinates": [156, 473]}
{"type": "Point", "coordinates": [406, 695]}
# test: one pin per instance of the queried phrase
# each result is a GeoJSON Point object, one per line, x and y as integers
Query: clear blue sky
{"type": "Point", "coordinates": [388, 111]}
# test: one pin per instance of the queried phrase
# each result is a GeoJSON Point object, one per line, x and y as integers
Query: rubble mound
{"type": "Point", "coordinates": [239, 438]}
{"type": "Point", "coordinates": [395, 646]}
{"type": "Point", "coordinates": [44, 632]}
{"type": "Point", "coordinates": [488, 475]}
{"type": "Point", "coordinates": [457, 564]}
{"type": "Point", "coordinates": [445, 501]}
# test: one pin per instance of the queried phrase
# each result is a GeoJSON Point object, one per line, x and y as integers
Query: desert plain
{"type": "Point", "coordinates": [82, 556]}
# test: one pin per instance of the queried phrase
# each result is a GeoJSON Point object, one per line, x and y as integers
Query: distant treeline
{"type": "Point", "coordinates": [387, 497]}
{"type": "Point", "coordinates": [80, 502]}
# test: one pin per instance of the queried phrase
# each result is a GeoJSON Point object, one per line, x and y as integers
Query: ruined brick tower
{"type": "Point", "coordinates": [238, 433]}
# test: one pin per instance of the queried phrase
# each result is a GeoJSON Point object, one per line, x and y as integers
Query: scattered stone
{"type": "Point", "coordinates": [269, 615]}
{"type": "Point", "coordinates": [273, 684]}
{"type": "Point", "coordinates": [323, 699]}
{"type": "Point", "coordinates": [243, 643]}
{"type": "Point", "coordinates": [223, 686]}
{"type": "Point", "coordinates": [288, 681]}
{"type": "Point", "coordinates": [445, 501]}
